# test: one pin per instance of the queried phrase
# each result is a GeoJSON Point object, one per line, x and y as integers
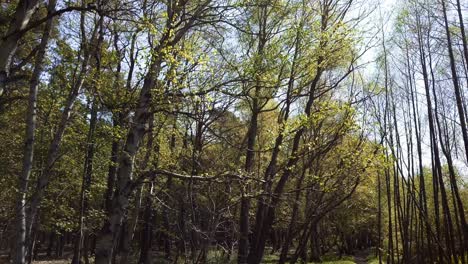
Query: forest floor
{"type": "Point", "coordinates": [366, 256]}
{"type": "Point", "coordinates": [361, 257]}
{"type": "Point", "coordinates": [42, 259]}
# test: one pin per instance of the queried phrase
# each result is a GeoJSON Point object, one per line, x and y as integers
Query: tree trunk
{"type": "Point", "coordinates": [315, 253]}
{"type": "Point", "coordinates": [53, 151]}
{"type": "Point", "coordinates": [28, 151]}
{"type": "Point", "coordinates": [292, 221]}
{"type": "Point", "coordinates": [147, 233]}
{"type": "Point", "coordinates": [50, 244]}
{"type": "Point", "coordinates": [245, 201]}
{"type": "Point", "coordinates": [131, 226]}
{"type": "Point", "coordinates": [267, 217]}
{"type": "Point", "coordinates": [133, 218]}
{"type": "Point", "coordinates": [244, 225]}
{"type": "Point", "coordinates": [86, 185]}
{"type": "Point", "coordinates": [107, 239]}
{"type": "Point", "coordinates": [437, 167]}
{"type": "Point", "coordinates": [266, 214]}
{"type": "Point", "coordinates": [458, 96]}
{"type": "Point", "coordinates": [111, 174]}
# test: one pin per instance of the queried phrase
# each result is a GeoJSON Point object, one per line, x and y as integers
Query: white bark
{"type": "Point", "coordinates": [54, 147]}
{"type": "Point", "coordinates": [28, 151]}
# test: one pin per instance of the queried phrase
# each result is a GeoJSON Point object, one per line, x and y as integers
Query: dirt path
{"type": "Point", "coordinates": [361, 257]}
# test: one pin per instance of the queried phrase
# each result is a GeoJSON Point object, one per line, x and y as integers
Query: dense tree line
{"type": "Point", "coordinates": [424, 123]}
{"type": "Point", "coordinates": [211, 131]}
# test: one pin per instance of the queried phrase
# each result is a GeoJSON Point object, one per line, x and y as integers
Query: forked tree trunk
{"type": "Point", "coordinates": [124, 187]}
{"type": "Point", "coordinates": [53, 152]}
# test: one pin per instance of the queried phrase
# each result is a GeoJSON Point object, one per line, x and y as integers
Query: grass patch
{"type": "Point", "coordinates": [216, 257]}
{"type": "Point", "coordinates": [270, 259]}
{"type": "Point", "coordinates": [327, 259]}
{"type": "Point", "coordinates": [340, 261]}
{"type": "Point", "coordinates": [374, 260]}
